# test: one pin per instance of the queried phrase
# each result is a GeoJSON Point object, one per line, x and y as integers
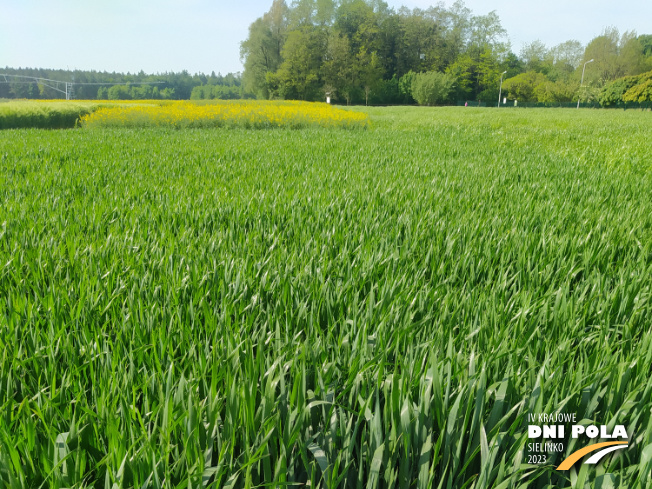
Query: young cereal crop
{"type": "Point", "coordinates": [54, 114]}
{"type": "Point", "coordinates": [43, 114]}
{"type": "Point", "coordinates": [381, 308]}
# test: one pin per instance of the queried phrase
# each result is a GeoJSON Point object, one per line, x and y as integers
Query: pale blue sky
{"type": "Point", "coordinates": [204, 35]}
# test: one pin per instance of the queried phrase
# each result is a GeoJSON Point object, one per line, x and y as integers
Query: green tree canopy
{"type": "Point", "coordinates": [524, 87]}
{"type": "Point", "coordinates": [432, 87]}
{"type": "Point", "coordinates": [355, 48]}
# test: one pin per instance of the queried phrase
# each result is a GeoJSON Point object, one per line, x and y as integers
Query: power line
{"type": "Point", "coordinates": [68, 85]}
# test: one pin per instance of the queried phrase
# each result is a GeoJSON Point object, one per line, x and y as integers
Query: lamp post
{"type": "Point", "coordinates": [582, 81]}
{"type": "Point", "coordinates": [500, 91]}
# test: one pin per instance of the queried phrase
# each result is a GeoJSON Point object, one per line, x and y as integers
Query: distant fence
{"type": "Point", "coordinates": [562, 105]}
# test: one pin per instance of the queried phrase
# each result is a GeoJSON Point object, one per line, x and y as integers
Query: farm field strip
{"type": "Point", "coordinates": [53, 114]}
{"type": "Point", "coordinates": [177, 114]}
{"type": "Point", "coordinates": [378, 308]}
{"type": "Point", "coordinates": [249, 114]}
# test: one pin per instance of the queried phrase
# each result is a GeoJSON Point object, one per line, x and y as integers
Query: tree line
{"type": "Point", "coordinates": [362, 51]}
{"type": "Point", "coordinates": [90, 85]}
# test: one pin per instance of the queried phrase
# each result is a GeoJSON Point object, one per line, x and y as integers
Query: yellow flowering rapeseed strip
{"type": "Point", "coordinates": [218, 113]}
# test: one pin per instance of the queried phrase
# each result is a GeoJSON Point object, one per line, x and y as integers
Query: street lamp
{"type": "Point", "coordinates": [500, 91]}
{"type": "Point", "coordinates": [582, 81]}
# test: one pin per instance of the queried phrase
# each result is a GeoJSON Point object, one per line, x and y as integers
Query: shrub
{"type": "Point", "coordinates": [612, 93]}
{"type": "Point", "coordinates": [432, 87]}
{"type": "Point", "coordinates": [405, 86]}
{"type": "Point", "coordinates": [524, 87]}
{"type": "Point", "coordinates": [639, 93]}
{"type": "Point", "coordinates": [642, 91]}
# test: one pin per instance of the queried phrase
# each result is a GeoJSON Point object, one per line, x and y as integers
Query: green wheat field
{"type": "Point", "coordinates": [325, 308]}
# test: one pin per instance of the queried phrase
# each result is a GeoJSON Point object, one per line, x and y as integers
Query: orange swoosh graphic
{"type": "Point", "coordinates": [575, 456]}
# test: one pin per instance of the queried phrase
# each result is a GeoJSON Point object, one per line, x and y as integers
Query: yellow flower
{"type": "Point", "coordinates": [257, 114]}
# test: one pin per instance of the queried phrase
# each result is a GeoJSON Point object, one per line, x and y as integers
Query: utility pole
{"type": "Point", "coordinates": [582, 82]}
{"type": "Point", "coordinates": [500, 91]}
{"type": "Point", "coordinates": [67, 86]}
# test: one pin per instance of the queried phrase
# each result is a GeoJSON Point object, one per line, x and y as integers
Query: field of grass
{"type": "Point", "coordinates": [270, 308]}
